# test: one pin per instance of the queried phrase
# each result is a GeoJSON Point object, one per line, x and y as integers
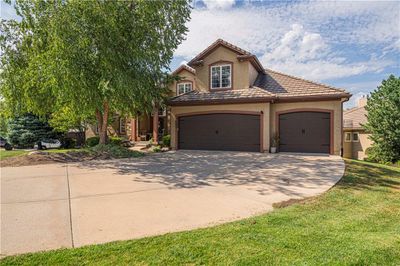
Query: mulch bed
{"type": "Point", "coordinates": [47, 158]}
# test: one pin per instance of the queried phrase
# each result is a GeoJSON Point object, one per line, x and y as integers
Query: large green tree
{"type": "Point", "coordinates": [90, 57]}
{"type": "Point", "coordinates": [384, 121]}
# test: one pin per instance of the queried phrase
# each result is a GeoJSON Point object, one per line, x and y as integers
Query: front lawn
{"type": "Point", "coordinates": [357, 222]}
{"type": "Point", "coordinates": [7, 154]}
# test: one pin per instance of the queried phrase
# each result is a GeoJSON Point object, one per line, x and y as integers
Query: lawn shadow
{"type": "Point", "coordinates": [359, 175]}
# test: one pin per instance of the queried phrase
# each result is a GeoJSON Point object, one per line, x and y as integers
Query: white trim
{"type": "Point", "coordinates": [220, 76]}
{"type": "Point", "coordinates": [345, 136]}
{"type": "Point", "coordinates": [358, 137]}
{"type": "Point", "coordinates": [184, 87]}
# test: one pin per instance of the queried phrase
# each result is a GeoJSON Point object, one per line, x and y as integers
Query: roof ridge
{"type": "Point", "coordinates": [184, 66]}
{"type": "Point", "coordinates": [214, 44]}
{"type": "Point", "coordinates": [353, 109]}
{"type": "Point", "coordinates": [306, 80]}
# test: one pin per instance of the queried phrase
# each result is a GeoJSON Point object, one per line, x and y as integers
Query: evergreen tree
{"type": "Point", "coordinates": [24, 131]}
{"type": "Point", "coordinates": [384, 121]}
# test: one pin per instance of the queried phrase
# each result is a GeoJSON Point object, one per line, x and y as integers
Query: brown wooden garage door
{"type": "Point", "coordinates": [305, 132]}
{"type": "Point", "coordinates": [230, 132]}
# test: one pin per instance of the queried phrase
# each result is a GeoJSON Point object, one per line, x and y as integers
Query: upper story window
{"type": "Point", "coordinates": [356, 137]}
{"type": "Point", "coordinates": [347, 137]}
{"type": "Point", "coordinates": [184, 87]}
{"type": "Point", "coordinates": [221, 77]}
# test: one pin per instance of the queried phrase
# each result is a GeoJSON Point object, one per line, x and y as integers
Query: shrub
{"type": "Point", "coordinates": [115, 141]}
{"type": "Point", "coordinates": [68, 143]}
{"type": "Point", "coordinates": [166, 140]}
{"type": "Point", "coordinates": [156, 149]}
{"type": "Point", "coordinates": [8, 147]}
{"type": "Point", "coordinates": [93, 141]}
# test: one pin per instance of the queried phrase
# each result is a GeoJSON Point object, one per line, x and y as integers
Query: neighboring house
{"type": "Point", "coordinates": [226, 100]}
{"type": "Point", "coordinates": [355, 139]}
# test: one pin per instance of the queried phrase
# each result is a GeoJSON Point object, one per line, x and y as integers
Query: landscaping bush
{"type": "Point", "coordinates": [8, 147]}
{"type": "Point", "coordinates": [166, 140]}
{"type": "Point", "coordinates": [68, 143]}
{"type": "Point", "coordinates": [115, 141]}
{"type": "Point", "coordinates": [156, 148]}
{"type": "Point", "coordinates": [93, 141]}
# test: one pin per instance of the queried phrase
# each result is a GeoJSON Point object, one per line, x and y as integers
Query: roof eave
{"type": "Point", "coordinates": [220, 101]}
{"type": "Point", "coordinates": [311, 98]}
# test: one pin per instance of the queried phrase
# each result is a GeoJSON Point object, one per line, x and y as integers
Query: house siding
{"type": "Point", "coordinates": [356, 150]}
{"type": "Point", "coordinates": [240, 69]}
{"type": "Point", "coordinates": [185, 76]}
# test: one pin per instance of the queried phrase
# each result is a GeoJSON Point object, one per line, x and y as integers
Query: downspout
{"type": "Point", "coordinates": [341, 124]}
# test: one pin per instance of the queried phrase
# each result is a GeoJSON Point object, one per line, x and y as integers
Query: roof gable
{"type": "Point", "coordinates": [355, 117]}
{"type": "Point", "coordinates": [184, 67]}
{"type": "Point", "coordinates": [242, 55]}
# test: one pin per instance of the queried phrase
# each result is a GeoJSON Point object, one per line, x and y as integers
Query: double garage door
{"type": "Point", "coordinates": [228, 132]}
{"type": "Point", "coordinates": [298, 132]}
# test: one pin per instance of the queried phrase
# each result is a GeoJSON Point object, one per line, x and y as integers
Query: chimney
{"type": "Point", "coordinates": [362, 101]}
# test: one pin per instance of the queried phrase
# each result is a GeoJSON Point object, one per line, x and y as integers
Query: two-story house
{"type": "Point", "coordinates": [226, 100]}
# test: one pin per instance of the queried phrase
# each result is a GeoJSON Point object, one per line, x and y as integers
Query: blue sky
{"type": "Point", "coordinates": [348, 44]}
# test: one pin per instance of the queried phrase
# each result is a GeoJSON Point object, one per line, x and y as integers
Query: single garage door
{"type": "Point", "coordinates": [229, 132]}
{"type": "Point", "coordinates": [304, 132]}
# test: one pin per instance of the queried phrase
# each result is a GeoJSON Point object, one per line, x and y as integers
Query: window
{"type": "Point", "coordinates": [122, 125]}
{"type": "Point", "coordinates": [347, 137]}
{"type": "Point", "coordinates": [355, 137]}
{"type": "Point", "coordinates": [184, 87]}
{"type": "Point", "coordinates": [221, 77]}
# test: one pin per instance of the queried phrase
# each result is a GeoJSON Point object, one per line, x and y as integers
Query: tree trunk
{"type": "Point", "coordinates": [102, 122]}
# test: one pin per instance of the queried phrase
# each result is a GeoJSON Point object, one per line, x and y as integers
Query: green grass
{"type": "Point", "coordinates": [7, 154]}
{"type": "Point", "coordinates": [355, 223]}
{"type": "Point", "coordinates": [114, 151]}
{"type": "Point", "coordinates": [63, 150]}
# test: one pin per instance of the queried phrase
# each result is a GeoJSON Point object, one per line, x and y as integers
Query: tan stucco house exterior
{"type": "Point", "coordinates": [226, 100]}
{"type": "Point", "coordinates": [355, 138]}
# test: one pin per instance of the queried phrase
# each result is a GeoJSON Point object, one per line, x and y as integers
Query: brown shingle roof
{"type": "Point", "coordinates": [244, 95]}
{"type": "Point", "coordinates": [283, 86]}
{"type": "Point", "coordinates": [269, 86]}
{"type": "Point", "coordinates": [354, 118]}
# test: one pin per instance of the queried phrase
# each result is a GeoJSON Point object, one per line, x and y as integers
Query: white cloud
{"type": "Point", "coordinates": [259, 28]}
{"type": "Point", "coordinates": [306, 54]}
{"type": "Point", "coordinates": [299, 44]}
{"type": "Point", "coordinates": [305, 35]}
{"type": "Point", "coordinates": [219, 4]}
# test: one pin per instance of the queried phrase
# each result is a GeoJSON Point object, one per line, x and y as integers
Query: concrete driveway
{"type": "Point", "coordinates": [53, 206]}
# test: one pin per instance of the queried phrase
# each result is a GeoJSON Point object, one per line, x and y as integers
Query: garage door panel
{"type": "Point", "coordinates": [305, 132]}
{"type": "Point", "coordinates": [234, 132]}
